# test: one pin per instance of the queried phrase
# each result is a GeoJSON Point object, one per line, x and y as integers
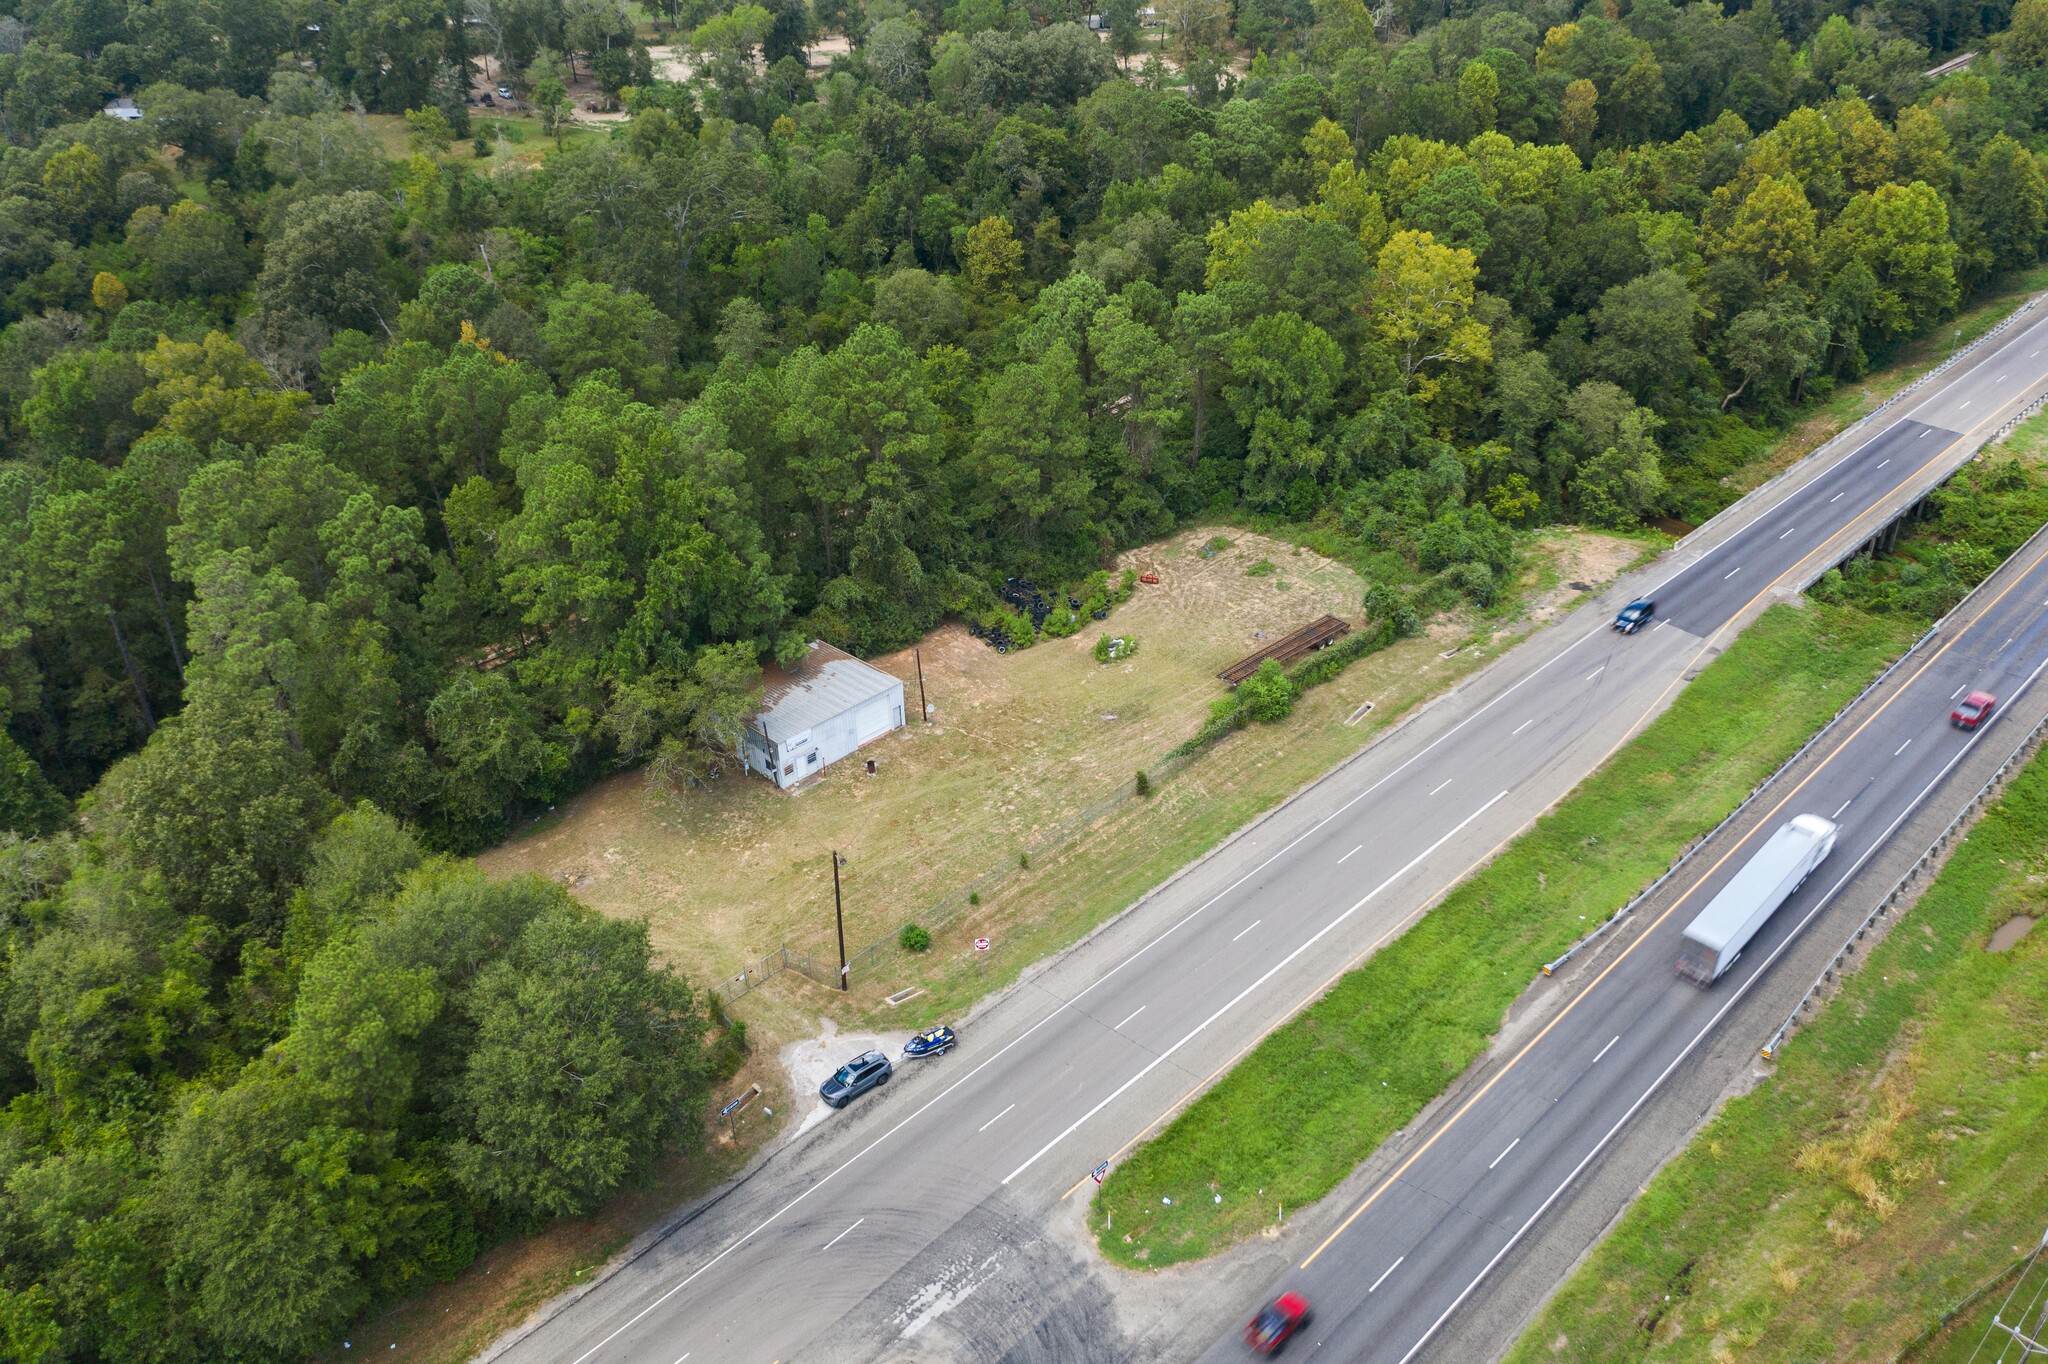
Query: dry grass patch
{"type": "Point", "coordinates": [1021, 744]}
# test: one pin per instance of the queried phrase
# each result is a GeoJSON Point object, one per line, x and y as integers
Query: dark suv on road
{"type": "Point", "coordinates": [1635, 616]}
{"type": "Point", "coordinates": [855, 1078]}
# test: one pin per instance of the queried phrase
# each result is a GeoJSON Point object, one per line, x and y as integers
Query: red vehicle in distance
{"type": "Point", "coordinates": [1974, 710]}
{"type": "Point", "coordinates": [1277, 1323]}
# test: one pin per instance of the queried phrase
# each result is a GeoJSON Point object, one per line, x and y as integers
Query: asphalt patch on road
{"type": "Point", "coordinates": [993, 1289]}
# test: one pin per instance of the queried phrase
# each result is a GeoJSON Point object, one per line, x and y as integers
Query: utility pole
{"type": "Point", "coordinates": [839, 915]}
{"type": "Point", "coordinates": [922, 707]}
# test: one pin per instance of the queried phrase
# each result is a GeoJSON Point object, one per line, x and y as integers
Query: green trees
{"type": "Point", "coordinates": [324, 264]}
{"type": "Point", "coordinates": [220, 805]}
{"type": "Point", "coordinates": [432, 489]}
{"type": "Point", "coordinates": [584, 1068]}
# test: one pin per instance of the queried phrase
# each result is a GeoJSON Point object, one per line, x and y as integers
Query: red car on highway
{"type": "Point", "coordinates": [1974, 711]}
{"type": "Point", "coordinates": [1277, 1323]}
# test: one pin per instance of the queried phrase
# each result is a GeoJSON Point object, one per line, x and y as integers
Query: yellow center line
{"type": "Point", "coordinates": [1628, 733]}
{"type": "Point", "coordinates": [1697, 882]}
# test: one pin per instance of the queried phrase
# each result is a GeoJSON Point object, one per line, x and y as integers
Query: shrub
{"type": "Point", "coordinates": [1216, 545]}
{"type": "Point", "coordinates": [1014, 625]}
{"type": "Point", "coordinates": [1024, 861]}
{"type": "Point", "coordinates": [1262, 569]}
{"type": "Point", "coordinates": [1268, 694]}
{"type": "Point", "coordinates": [1144, 783]}
{"type": "Point", "coordinates": [1474, 580]}
{"type": "Point", "coordinates": [1325, 664]}
{"type": "Point", "coordinates": [1384, 601]}
{"type": "Point", "coordinates": [973, 897]}
{"type": "Point", "coordinates": [1112, 647]}
{"type": "Point", "coordinates": [914, 938]}
{"type": "Point", "coordinates": [1064, 621]}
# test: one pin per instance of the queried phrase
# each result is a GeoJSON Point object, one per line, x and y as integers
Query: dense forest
{"type": "Point", "coordinates": [352, 504]}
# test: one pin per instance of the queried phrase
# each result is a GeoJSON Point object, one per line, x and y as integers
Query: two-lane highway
{"type": "Point", "coordinates": [912, 1226]}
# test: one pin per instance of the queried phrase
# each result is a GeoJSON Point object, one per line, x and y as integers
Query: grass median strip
{"type": "Point", "coordinates": [1891, 1165]}
{"type": "Point", "coordinates": [1320, 1094]}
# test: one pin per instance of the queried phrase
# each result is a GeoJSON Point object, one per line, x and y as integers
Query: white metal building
{"type": "Point", "coordinates": [817, 711]}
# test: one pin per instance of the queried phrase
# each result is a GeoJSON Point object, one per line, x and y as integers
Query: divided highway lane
{"type": "Point", "coordinates": [1422, 1240]}
{"type": "Point", "coordinates": [912, 1226]}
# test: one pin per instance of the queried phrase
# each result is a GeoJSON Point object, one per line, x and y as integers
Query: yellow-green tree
{"type": "Point", "coordinates": [1578, 117]}
{"type": "Point", "coordinates": [1773, 229]}
{"type": "Point", "coordinates": [993, 258]}
{"type": "Point", "coordinates": [211, 390]}
{"type": "Point", "coordinates": [1899, 233]}
{"type": "Point", "coordinates": [1421, 309]}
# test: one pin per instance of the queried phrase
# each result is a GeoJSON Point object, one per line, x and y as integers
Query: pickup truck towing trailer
{"type": "Point", "coordinates": [1717, 936]}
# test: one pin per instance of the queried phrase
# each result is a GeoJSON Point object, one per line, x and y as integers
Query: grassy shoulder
{"type": "Point", "coordinates": [1361, 1062]}
{"type": "Point", "coordinates": [1891, 1165]}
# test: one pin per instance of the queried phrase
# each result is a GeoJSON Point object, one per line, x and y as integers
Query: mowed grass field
{"type": "Point", "coordinates": [1892, 1164]}
{"type": "Point", "coordinates": [1021, 745]}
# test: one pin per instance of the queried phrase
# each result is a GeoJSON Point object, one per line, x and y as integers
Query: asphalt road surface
{"type": "Point", "coordinates": [1421, 1242]}
{"type": "Point", "coordinates": [913, 1226]}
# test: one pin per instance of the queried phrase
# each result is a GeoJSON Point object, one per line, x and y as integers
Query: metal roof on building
{"type": "Point", "coordinates": [825, 683]}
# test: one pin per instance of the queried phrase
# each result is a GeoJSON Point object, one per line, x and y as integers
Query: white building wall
{"type": "Point", "coordinates": [808, 755]}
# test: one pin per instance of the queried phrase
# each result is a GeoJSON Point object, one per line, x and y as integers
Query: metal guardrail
{"type": "Point", "coordinates": [1920, 864]}
{"type": "Point", "coordinates": [1852, 430]}
{"type": "Point", "coordinates": [2015, 759]}
{"type": "Point", "coordinates": [2011, 424]}
{"type": "Point", "coordinates": [1550, 967]}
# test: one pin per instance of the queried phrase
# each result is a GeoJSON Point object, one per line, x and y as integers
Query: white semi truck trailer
{"type": "Point", "coordinates": [1716, 938]}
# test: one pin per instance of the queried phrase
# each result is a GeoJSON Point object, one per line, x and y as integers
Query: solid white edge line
{"type": "Point", "coordinates": [1504, 1152]}
{"type": "Point", "coordinates": [1383, 1277]}
{"type": "Point", "coordinates": [1278, 967]}
{"type": "Point", "coordinates": [1065, 1005]}
{"type": "Point", "coordinates": [840, 1237]}
{"type": "Point", "coordinates": [1512, 687]}
{"type": "Point", "coordinates": [1711, 1024]}
{"type": "Point", "coordinates": [999, 1117]}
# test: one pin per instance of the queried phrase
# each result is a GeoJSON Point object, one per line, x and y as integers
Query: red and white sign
{"type": "Point", "coordinates": [981, 944]}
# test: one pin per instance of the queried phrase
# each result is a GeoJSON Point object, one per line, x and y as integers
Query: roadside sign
{"type": "Point", "coordinates": [1100, 1172]}
{"type": "Point", "coordinates": [981, 944]}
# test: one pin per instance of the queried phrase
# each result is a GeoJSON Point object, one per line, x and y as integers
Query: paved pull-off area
{"type": "Point", "coordinates": [926, 1221]}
